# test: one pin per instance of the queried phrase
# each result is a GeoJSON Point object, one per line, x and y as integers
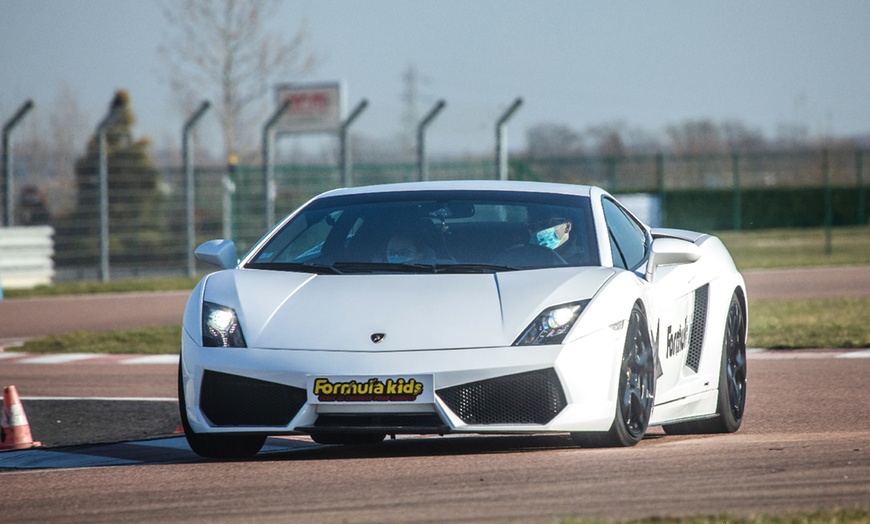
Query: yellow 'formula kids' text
{"type": "Point", "coordinates": [371, 390]}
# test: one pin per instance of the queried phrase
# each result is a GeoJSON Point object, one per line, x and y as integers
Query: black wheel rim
{"type": "Point", "coordinates": [638, 372]}
{"type": "Point", "coordinates": [735, 360]}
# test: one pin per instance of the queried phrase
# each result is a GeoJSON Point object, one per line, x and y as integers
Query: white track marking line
{"type": "Point", "coordinates": [122, 399]}
{"type": "Point", "coordinates": [152, 359]}
{"type": "Point", "coordinates": [855, 354]}
{"type": "Point", "coordinates": [60, 358]}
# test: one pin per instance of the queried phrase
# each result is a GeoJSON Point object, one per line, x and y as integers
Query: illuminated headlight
{"type": "Point", "coordinates": [220, 327]}
{"type": "Point", "coordinates": [551, 326]}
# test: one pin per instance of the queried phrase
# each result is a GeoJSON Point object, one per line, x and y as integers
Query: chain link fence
{"type": "Point", "coordinates": [147, 221]}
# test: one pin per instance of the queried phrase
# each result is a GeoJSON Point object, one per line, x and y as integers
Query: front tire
{"type": "Point", "coordinates": [216, 446]}
{"type": "Point", "coordinates": [732, 380]}
{"type": "Point", "coordinates": [636, 390]}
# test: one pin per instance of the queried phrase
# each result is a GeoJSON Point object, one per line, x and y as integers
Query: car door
{"type": "Point", "coordinates": [629, 240]}
{"type": "Point", "coordinates": [670, 299]}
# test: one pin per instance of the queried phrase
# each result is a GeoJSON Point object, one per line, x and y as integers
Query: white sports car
{"type": "Point", "coordinates": [472, 307]}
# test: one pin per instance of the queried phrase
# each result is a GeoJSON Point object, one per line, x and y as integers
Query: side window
{"type": "Point", "coordinates": [628, 240]}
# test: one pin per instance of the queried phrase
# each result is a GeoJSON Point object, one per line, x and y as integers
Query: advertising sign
{"type": "Point", "coordinates": [314, 108]}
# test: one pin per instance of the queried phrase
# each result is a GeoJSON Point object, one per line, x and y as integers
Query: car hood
{"type": "Point", "coordinates": [280, 310]}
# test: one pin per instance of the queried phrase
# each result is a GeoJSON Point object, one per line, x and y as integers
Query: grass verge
{"type": "Point", "coordinates": [781, 248]}
{"type": "Point", "coordinates": [829, 323]}
{"type": "Point", "coordinates": [147, 341]}
{"type": "Point", "coordinates": [91, 287]}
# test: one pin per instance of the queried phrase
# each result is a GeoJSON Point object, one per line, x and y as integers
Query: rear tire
{"type": "Point", "coordinates": [732, 380]}
{"type": "Point", "coordinates": [636, 390]}
{"type": "Point", "coordinates": [216, 446]}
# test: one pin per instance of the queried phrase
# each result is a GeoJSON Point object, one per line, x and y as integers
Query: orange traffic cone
{"type": "Point", "coordinates": [14, 429]}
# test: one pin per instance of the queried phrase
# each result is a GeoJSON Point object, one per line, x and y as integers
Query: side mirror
{"type": "Point", "coordinates": [221, 253]}
{"type": "Point", "coordinates": [671, 251]}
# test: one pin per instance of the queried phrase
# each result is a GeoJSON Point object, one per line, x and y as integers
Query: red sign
{"type": "Point", "coordinates": [314, 108]}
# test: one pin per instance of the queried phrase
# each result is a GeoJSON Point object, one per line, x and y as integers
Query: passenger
{"type": "Point", "coordinates": [404, 249]}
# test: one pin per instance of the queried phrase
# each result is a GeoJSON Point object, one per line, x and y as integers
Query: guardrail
{"type": "Point", "coordinates": [26, 257]}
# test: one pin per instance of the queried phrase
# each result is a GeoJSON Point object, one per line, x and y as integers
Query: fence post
{"type": "Point", "coordinates": [611, 173]}
{"type": "Point", "coordinates": [829, 212]}
{"type": "Point", "coordinates": [269, 164]}
{"type": "Point", "coordinates": [501, 153]}
{"type": "Point", "coordinates": [660, 176]}
{"type": "Point", "coordinates": [229, 187]}
{"type": "Point", "coordinates": [738, 204]}
{"type": "Point", "coordinates": [6, 155]}
{"type": "Point", "coordinates": [859, 173]}
{"type": "Point", "coordinates": [346, 179]}
{"type": "Point", "coordinates": [190, 186]}
{"type": "Point", "coordinates": [102, 149]}
{"type": "Point", "coordinates": [422, 167]}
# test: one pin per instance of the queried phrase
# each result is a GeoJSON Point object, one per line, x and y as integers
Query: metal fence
{"type": "Point", "coordinates": [148, 222]}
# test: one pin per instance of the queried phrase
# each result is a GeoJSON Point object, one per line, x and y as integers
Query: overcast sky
{"type": "Point", "coordinates": [578, 63]}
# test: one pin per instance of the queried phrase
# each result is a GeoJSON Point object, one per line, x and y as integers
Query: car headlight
{"type": "Point", "coordinates": [551, 326]}
{"type": "Point", "coordinates": [220, 327]}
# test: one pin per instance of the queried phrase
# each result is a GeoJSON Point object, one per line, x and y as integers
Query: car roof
{"type": "Point", "coordinates": [470, 185]}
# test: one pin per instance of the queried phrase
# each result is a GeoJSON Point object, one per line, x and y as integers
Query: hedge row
{"type": "Point", "coordinates": [714, 210]}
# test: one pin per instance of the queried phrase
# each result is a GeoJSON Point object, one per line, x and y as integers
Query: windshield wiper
{"type": "Point", "coordinates": [410, 267]}
{"type": "Point", "coordinates": [319, 269]}
{"type": "Point", "coordinates": [472, 268]}
{"type": "Point", "coordinates": [343, 268]}
{"type": "Point", "coordinates": [381, 267]}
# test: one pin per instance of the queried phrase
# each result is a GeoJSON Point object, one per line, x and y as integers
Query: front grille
{"type": "Point", "coordinates": [416, 423]}
{"type": "Point", "coordinates": [534, 397]}
{"type": "Point", "coordinates": [231, 400]}
{"type": "Point", "coordinates": [699, 327]}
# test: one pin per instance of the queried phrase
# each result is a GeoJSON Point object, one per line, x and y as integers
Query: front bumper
{"type": "Point", "coordinates": [478, 390]}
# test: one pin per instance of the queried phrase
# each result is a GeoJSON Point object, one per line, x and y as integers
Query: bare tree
{"type": "Point", "coordinates": [48, 143]}
{"type": "Point", "coordinates": [69, 127]}
{"type": "Point", "coordinates": [741, 138]}
{"type": "Point", "coordinates": [696, 137]}
{"type": "Point", "coordinates": [609, 138]}
{"type": "Point", "coordinates": [553, 140]}
{"type": "Point", "coordinates": [226, 51]}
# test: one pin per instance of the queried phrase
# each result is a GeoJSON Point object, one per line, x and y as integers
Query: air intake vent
{"type": "Point", "coordinates": [534, 397]}
{"type": "Point", "coordinates": [231, 400]}
{"type": "Point", "coordinates": [699, 327]}
{"type": "Point", "coordinates": [416, 423]}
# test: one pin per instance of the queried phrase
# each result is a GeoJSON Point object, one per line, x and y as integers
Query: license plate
{"type": "Point", "coordinates": [405, 389]}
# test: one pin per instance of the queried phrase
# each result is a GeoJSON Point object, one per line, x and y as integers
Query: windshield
{"type": "Point", "coordinates": [434, 231]}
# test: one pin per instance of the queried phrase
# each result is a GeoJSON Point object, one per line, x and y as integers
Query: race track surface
{"type": "Point", "coordinates": [804, 445]}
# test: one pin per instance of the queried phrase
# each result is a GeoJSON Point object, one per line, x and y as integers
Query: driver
{"type": "Point", "coordinates": [553, 231]}
{"type": "Point", "coordinates": [550, 232]}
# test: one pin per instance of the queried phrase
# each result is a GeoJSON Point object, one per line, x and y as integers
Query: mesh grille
{"type": "Point", "coordinates": [699, 327]}
{"type": "Point", "coordinates": [534, 397]}
{"type": "Point", "coordinates": [231, 400]}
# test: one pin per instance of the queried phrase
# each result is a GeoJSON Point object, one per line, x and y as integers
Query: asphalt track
{"type": "Point", "coordinates": [804, 445]}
